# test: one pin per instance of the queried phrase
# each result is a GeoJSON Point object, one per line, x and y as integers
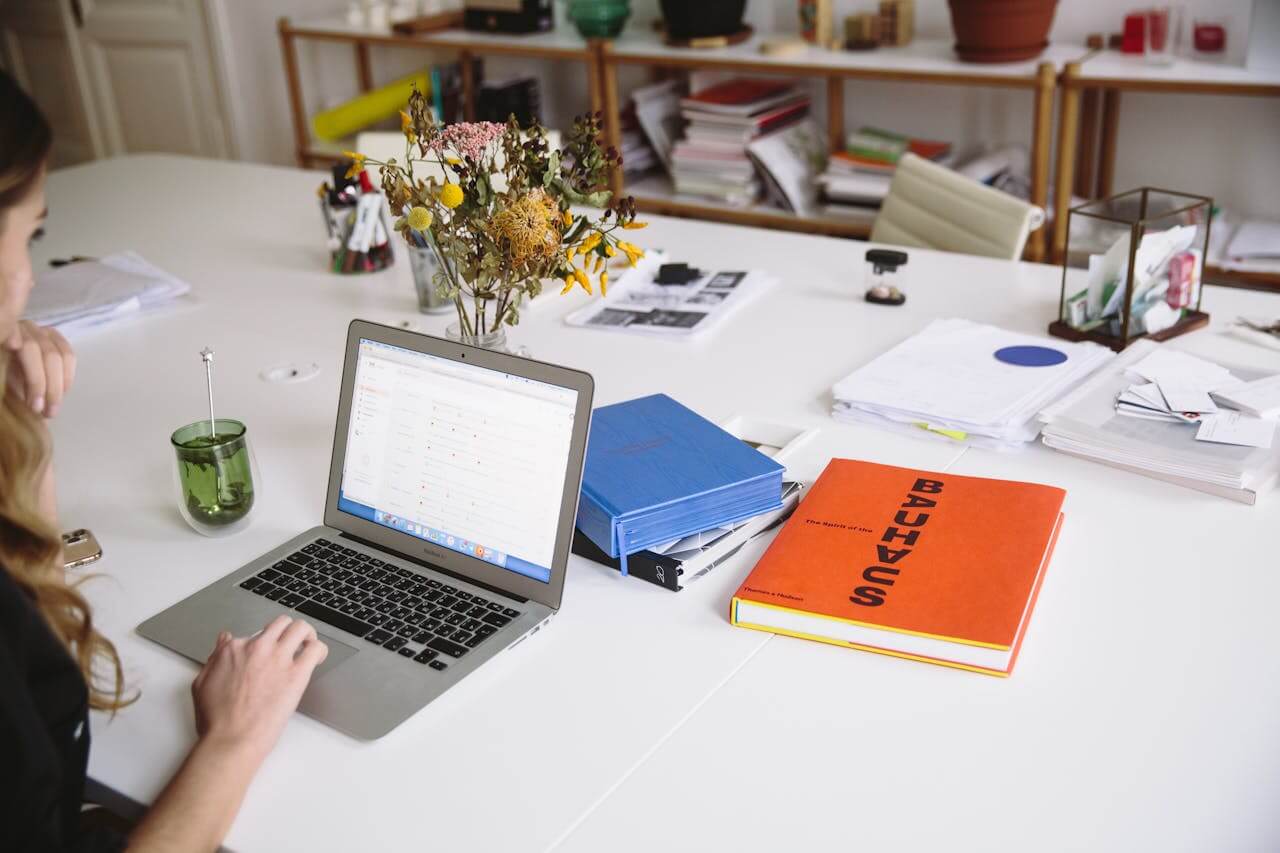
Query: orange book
{"type": "Point", "coordinates": [918, 564]}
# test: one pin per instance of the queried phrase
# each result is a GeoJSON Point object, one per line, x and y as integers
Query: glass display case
{"type": "Point", "coordinates": [1133, 267]}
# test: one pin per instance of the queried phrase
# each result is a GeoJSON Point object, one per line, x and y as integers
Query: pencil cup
{"type": "Point", "coordinates": [359, 237]}
{"type": "Point", "coordinates": [425, 265]}
{"type": "Point", "coordinates": [217, 476]}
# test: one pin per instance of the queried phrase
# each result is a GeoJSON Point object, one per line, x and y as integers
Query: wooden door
{"type": "Point", "coordinates": [149, 66]}
{"type": "Point", "coordinates": [37, 49]}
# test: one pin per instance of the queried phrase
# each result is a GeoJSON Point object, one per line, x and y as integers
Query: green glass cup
{"type": "Point", "coordinates": [217, 476]}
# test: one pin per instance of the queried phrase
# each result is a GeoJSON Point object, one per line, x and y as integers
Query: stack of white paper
{"type": "Point", "coordinates": [89, 293]}
{"type": "Point", "coordinates": [968, 382]}
{"type": "Point", "coordinates": [1215, 457]}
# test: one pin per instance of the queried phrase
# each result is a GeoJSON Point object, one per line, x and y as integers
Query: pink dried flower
{"type": "Point", "coordinates": [468, 139]}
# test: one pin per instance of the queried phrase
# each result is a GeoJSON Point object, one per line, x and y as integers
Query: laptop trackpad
{"type": "Point", "coordinates": [338, 652]}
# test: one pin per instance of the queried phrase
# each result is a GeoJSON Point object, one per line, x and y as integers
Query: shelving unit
{"type": "Point", "coordinates": [557, 45]}
{"type": "Point", "coordinates": [923, 61]}
{"type": "Point", "coordinates": [1111, 72]}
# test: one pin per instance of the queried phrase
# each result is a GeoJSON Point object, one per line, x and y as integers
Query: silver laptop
{"type": "Point", "coordinates": [452, 495]}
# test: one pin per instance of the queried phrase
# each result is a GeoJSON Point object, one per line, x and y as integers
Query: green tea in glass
{"type": "Point", "coordinates": [216, 475]}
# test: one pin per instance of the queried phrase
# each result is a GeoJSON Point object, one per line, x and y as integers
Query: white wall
{"type": "Point", "coordinates": [1225, 147]}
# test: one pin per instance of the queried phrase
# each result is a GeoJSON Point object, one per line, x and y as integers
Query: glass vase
{"type": "Point", "coordinates": [424, 265]}
{"type": "Point", "coordinates": [495, 341]}
{"type": "Point", "coordinates": [217, 476]}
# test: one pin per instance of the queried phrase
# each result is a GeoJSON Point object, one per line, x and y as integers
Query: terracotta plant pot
{"type": "Point", "coordinates": [695, 19]}
{"type": "Point", "coordinates": [1001, 30]}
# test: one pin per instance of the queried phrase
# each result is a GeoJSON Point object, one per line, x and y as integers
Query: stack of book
{"type": "Point", "coordinates": [676, 564]}
{"type": "Point", "coordinates": [856, 180]}
{"type": "Point", "coordinates": [711, 160]}
{"type": "Point", "coordinates": [638, 155]}
{"type": "Point", "coordinates": [658, 475]}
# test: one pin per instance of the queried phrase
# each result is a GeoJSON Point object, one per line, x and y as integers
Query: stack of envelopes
{"type": "Point", "coordinates": [1152, 411]}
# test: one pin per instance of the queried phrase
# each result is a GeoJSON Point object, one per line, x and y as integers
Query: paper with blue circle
{"type": "Point", "coordinates": [1030, 356]}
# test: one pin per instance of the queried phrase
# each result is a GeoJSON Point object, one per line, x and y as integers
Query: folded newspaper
{"type": "Point", "coordinates": [638, 305]}
{"type": "Point", "coordinates": [89, 293]}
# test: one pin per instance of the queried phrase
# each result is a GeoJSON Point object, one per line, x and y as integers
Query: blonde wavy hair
{"type": "Point", "coordinates": [30, 547]}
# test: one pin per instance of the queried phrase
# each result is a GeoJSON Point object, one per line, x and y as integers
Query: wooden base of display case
{"type": "Point", "coordinates": [1189, 323]}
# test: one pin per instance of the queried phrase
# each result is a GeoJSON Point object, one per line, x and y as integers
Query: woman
{"type": "Point", "coordinates": [54, 665]}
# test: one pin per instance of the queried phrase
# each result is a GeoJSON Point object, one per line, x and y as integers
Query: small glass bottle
{"type": "Point", "coordinates": [882, 288]}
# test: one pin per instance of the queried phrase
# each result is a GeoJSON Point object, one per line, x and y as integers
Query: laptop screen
{"type": "Point", "coordinates": [462, 456]}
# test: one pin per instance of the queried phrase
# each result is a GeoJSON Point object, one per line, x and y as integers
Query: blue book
{"type": "Point", "coordinates": [656, 471]}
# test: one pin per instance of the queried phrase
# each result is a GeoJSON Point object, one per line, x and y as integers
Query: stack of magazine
{"type": "Point", "coordinates": [711, 160]}
{"type": "Point", "coordinates": [1086, 423]}
{"type": "Point", "coordinates": [636, 304]}
{"type": "Point", "coordinates": [856, 180]}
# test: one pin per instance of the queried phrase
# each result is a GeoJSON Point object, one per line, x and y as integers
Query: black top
{"type": "Point", "coordinates": [44, 735]}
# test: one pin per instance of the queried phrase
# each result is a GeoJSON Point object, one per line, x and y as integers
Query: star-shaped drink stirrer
{"type": "Point", "coordinates": [206, 355]}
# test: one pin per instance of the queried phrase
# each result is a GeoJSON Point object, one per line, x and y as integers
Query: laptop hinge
{"type": "Point", "coordinates": [433, 567]}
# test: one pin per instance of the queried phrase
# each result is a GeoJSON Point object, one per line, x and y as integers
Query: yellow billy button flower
{"type": "Point", "coordinates": [420, 218]}
{"type": "Point", "coordinates": [635, 226]}
{"type": "Point", "coordinates": [451, 195]}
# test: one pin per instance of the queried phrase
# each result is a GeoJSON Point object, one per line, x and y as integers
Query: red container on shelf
{"type": "Point", "coordinates": [1209, 37]}
{"type": "Point", "coordinates": [1135, 32]}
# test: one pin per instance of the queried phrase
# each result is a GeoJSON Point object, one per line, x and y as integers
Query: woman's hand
{"type": "Point", "coordinates": [250, 685]}
{"type": "Point", "coordinates": [46, 366]}
{"type": "Point", "coordinates": [244, 696]}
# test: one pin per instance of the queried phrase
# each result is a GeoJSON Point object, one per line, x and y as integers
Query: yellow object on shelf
{"type": "Point", "coordinates": [369, 108]}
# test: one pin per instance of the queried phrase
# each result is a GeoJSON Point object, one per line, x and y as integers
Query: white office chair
{"type": "Point", "coordinates": [931, 207]}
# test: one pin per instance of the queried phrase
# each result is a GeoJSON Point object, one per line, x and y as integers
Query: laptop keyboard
{"type": "Point", "coordinates": [404, 612]}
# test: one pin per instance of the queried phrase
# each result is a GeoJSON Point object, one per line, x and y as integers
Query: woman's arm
{"type": "Point", "coordinates": [244, 696]}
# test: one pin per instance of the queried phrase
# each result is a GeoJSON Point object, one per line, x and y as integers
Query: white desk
{"type": "Point", "coordinates": [1142, 707]}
